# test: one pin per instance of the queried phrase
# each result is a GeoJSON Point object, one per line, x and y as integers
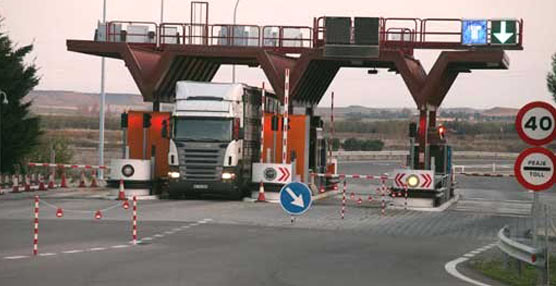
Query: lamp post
{"type": "Point", "coordinates": [233, 32]}
{"type": "Point", "coordinates": [101, 109]}
{"type": "Point", "coordinates": [3, 100]}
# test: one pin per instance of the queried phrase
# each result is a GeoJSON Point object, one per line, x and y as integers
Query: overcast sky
{"type": "Point", "coordinates": [48, 23]}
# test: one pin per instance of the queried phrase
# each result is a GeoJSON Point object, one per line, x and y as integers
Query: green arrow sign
{"type": "Point", "coordinates": [503, 32]}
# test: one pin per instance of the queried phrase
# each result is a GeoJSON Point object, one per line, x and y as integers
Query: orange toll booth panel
{"type": "Point", "coordinates": [135, 135]}
{"type": "Point", "coordinates": [298, 142]}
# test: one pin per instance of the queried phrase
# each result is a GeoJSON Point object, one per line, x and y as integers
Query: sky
{"type": "Point", "coordinates": [48, 23]}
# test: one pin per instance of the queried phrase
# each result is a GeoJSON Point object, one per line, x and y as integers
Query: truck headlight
{"type": "Point", "coordinates": [174, 175]}
{"type": "Point", "coordinates": [228, 176]}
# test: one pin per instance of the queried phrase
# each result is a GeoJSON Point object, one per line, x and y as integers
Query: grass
{"type": "Point", "coordinates": [493, 267]}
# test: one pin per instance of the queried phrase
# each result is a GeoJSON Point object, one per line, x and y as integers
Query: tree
{"type": "Point", "coordinates": [551, 78]}
{"type": "Point", "coordinates": [20, 130]}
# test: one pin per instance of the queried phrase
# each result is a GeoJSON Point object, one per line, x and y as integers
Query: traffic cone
{"type": "Point", "coordinates": [359, 201]}
{"type": "Point", "coordinates": [42, 187]}
{"type": "Point", "coordinates": [82, 180]}
{"type": "Point", "coordinates": [98, 215]}
{"type": "Point", "coordinates": [321, 190]}
{"type": "Point", "coordinates": [94, 180]}
{"type": "Point", "coordinates": [59, 212]}
{"type": "Point", "coordinates": [51, 181]}
{"type": "Point", "coordinates": [121, 192]}
{"type": "Point", "coordinates": [63, 182]}
{"type": "Point", "coordinates": [15, 185]}
{"type": "Point", "coordinates": [261, 198]}
{"type": "Point", "coordinates": [27, 183]}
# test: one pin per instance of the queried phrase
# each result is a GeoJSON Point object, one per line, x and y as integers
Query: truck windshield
{"type": "Point", "coordinates": [203, 129]}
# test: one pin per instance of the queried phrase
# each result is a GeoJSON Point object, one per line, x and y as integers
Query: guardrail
{"type": "Point", "coordinates": [517, 250]}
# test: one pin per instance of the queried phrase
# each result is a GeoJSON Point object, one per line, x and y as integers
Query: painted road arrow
{"type": "Point", "coordinates": [503, 32]}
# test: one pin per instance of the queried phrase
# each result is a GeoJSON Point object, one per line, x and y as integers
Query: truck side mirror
{"type": "Point", "coordinates": [164, 129]}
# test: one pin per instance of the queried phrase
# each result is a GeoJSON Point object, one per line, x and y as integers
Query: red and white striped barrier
{"type": "Point", "coordinates": [59, 213]}
{"type": "Point", "coordinates": [134, 230]}
{"type": "Point", "coordinates": [343, 211]}
{"type": "Point", "coordinates": [352, 176]}
{"type": "Point", "coordinates": [498, 175]}
{"type": "Point", "coordinates": [286, 111]}
{"type": "Point", "coordinates": [36, 228]}
{"type": "Point", "coordinates": [68, 166]}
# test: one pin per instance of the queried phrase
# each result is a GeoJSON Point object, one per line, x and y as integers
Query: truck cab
{"type": "Point", "coordinates": [214, 138]}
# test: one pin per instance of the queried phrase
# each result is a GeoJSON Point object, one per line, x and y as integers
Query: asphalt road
{"type": "Point", "coordinates": [240, 243]}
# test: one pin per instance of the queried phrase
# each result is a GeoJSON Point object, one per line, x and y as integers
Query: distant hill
{"type": "Point", "coordinates": [63, 102]}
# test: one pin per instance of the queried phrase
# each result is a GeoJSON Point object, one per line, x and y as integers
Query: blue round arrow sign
{"type": "Point", "coordinates": [295, 198]}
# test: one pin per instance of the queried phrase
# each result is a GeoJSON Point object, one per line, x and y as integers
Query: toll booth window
{"type": "Point", "coordinates": [203, 129]}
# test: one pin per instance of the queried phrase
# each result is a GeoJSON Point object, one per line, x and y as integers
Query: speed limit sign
{"type": "Point", "coordinates": [535, 123]}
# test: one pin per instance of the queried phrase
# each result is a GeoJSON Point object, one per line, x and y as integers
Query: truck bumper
{"type": "Point", "coordinates": [219, 188]}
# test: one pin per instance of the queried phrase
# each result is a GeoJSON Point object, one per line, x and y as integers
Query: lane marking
{"type": "Point", "coordinates": [15, 257]}
{"type": "Point", "coordinates": [147, 238]}
{"type": "Point", "coordinates": [176, 229]}
{"type": "Point", "coordinates": [451, 266]}
{"type": "Point", "coordinates": [96, 249]}
{"type": "Point", "coordinates": [73, 251]}
{"type": "Point", "coordinates": [47, 254]}
{"type": "Point", "coordinates": [158, 235]}
{"type": "Point", "coordinates": [168, 232]}
{"type": "Point", "coordinates": [119, 246]}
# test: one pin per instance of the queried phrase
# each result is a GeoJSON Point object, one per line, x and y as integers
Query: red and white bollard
{"type": "Point", "coordinates": [134, 229]}
{"type": "Point", "coordinates": [383, 202]}
{"type": "Point", "coordinates": [36, 228]}
{"type": "Point", "coordinates": [42, 187]}
{"type": "Point", "coordinates": [343, 211]}
{"type": "Point", "coordinates": [405, 201]}
{"type": "Point", "coordinates": [82, 180]}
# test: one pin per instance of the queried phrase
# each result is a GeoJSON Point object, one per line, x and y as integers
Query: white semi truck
{"type": "Point", "coordinates": [214, 138]}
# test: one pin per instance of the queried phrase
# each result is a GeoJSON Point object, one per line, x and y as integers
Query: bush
{"type": "Point", "coordinates": [352, 144]}
{"type": "Point", "coordinates": [59, 144]}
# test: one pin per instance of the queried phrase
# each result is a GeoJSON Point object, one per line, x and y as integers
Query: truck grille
{"type": "Point", "coordinates": [201, 161]}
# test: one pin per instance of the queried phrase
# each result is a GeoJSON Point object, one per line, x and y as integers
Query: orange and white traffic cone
{"type": "Point", "coordinates": [27, 183]}
{"type": "Point", "coordinates": [42, 187]}
{"type": "Point", "coordinates": [51, 181]}
{"type": "Point", "coordinates": [261, 198]}
{"type": "Point", "coordinates": [121, 192]}
{"type": "Point", "coordinates": [63, 182]}
{"type": "Point", "coordinates": [82, 180]}
{"type": "Point", "coordinates": [15, 185]}
{"type": "Point", "coordinates": [94, 180]}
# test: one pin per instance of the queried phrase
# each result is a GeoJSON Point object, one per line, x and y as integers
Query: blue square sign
{"type": "Point", "coordinates": [474, 32]}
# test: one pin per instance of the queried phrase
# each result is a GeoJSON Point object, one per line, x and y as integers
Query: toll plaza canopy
{"type": "Point", "coordinates": [159, 54]}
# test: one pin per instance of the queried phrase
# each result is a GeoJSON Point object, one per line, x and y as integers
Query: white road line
{"type": "Point", "coordinates": [96, 249]}
{"type": "Point", "coordinates": [15, 257]}
{"type": "Point", "coordinates": [194, 224]}
{"type": "Point", "coordinates": [159, 235]}
{"type": "Point", "coordinates": [451, 266]}
{"type": "Point", "coordinates": [168, 232]}
{"type": "Point", "coordinates": [451, 269]}
{"type": "Point", "coordinates": [202, 222]}
{"type": "Point", "coordinates": [120, 246]}
{"type": "Point", "coordinates": [176, 229]}
{"type": "Point", "coordinates": [147, 238]}
{"type": "Point", "coordinates": [72, 251]}
{"type": "Point", "coordinates": [47, 254]}
{"type": "Point", "coordinates": [185, 226]}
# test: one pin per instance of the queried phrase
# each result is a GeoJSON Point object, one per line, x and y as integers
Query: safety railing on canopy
{"type": "Point", "coordinates": [394, 33]}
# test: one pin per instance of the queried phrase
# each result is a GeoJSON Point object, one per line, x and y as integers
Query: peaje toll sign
{"type": "Point", "coordinates": [534, 168]}
{"type": "Point", "coordinates": [535, 123]}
